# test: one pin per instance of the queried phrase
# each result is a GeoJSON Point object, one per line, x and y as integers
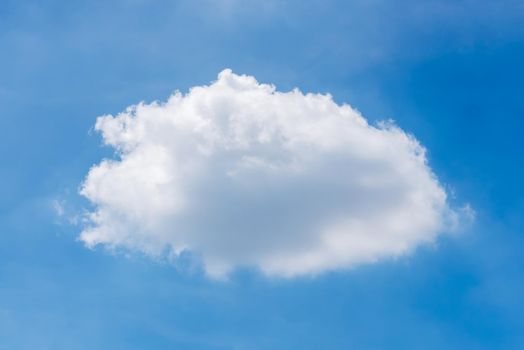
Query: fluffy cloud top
{"type": "Point", "coordinates": [240, 174]}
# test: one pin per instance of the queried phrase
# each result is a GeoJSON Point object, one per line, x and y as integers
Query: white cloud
{"type": "Point", "coordinates": [240, 174]}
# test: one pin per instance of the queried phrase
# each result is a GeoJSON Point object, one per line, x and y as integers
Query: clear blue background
{"type": "Point", "coordinates": [450, 72]}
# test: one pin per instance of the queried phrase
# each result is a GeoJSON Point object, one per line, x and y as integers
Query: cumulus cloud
{"type": "Point", "coordinates": [239, 174]}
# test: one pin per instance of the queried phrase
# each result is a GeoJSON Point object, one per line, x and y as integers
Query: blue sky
{"type": "Point", "coordinates": [448, 72]}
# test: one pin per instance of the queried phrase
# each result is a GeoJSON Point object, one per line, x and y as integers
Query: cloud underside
{"type": "Point", "coordinates": [240, 175]}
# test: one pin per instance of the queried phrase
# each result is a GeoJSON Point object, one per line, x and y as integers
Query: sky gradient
{"type": "Point", "coordinates": [449, 72]}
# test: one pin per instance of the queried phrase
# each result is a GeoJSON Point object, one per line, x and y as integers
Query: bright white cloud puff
{"type": "Point", "coordinates": [239, 174]}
